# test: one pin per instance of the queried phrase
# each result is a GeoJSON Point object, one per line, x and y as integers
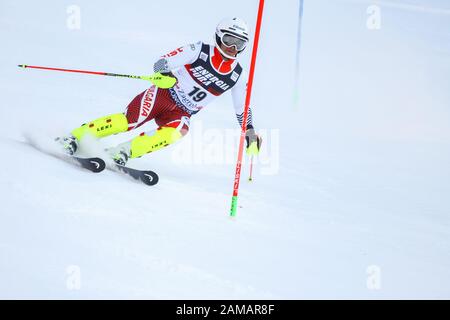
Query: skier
{"type": "Point", "coordinates": [202, 72]}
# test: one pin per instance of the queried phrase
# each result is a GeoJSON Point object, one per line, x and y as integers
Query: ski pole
{"type": "Point", "coordinates": [157, 79]}
{"type": "Point", "coordinates": [251, 169]}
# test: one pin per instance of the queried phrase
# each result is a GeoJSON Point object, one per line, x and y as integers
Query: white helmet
{"type": "Point", "coordinates": [232, 32]}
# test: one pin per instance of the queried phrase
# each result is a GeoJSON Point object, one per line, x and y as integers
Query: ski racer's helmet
{"type": "Point", "coordinates": [232, 32]}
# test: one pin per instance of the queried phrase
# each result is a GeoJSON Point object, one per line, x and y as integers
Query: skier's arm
{"type": "Point", "coordinates": [177, 58]}
{"type": "Point", "coordinates": [238, 93]}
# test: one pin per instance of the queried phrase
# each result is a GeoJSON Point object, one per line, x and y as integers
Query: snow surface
{"type": "Point", "coordinates": [350, 198]}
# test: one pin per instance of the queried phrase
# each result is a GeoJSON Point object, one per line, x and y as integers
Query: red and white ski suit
{"type": "Point", "coordinates": [202, 75]}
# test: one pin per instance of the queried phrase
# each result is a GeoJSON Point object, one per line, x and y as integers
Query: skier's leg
{"type": "Point", "coordinates": [165, 135]}
{"type": "Point", "coordinates": [102, 127]}
{"type": "Point", "coordinates": [98, 128]}
{"type": "Point", "coordinates": [173, 123]}
{"type": "Point", "coordinates": [139, 111]}
{"type": "Point", "coordinates": [155, 140]}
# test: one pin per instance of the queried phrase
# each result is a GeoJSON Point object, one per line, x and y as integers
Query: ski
{"type": "Point", "coordinates": [92, 164]}
{"type": "Point", "coordinates": [148, 177]}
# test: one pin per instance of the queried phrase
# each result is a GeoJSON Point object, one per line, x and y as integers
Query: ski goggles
{"type": "Point", "coordinates": [230, 40]}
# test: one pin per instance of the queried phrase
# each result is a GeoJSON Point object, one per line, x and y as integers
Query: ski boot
{"type": "Point", "coordinates": [119, 154]}
{"type": "Point", "coordinates": [69, 144]}
{"type": "Point", "coordinates": [120, 158]}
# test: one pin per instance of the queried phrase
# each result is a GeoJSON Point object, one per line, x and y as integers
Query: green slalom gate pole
{"type": "Point", "coordinates": [237, 175]}
{"type": "Point", "coordinates": [157, 79]}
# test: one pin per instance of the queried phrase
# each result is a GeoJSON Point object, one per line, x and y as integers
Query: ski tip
{"type": "Point", "coordinates": [22, 65]}
{"type": "Point", "coordinates": [150, 178]}
{"type": "Point", "coordinates": [97, 165]}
